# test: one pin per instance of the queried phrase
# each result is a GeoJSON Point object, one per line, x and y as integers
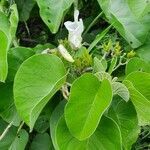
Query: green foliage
{"type": "Point", "coordinates": [48, 75]}
{"type": "Point", "coordinates": [66, 90]}
{"type": "Point", "coordinates": [90, 106]}
{"type": "Point", "coordinates": [128, 17]}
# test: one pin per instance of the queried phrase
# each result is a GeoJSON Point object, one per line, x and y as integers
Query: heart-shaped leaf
{"type": "Point", "coordinates": [36, 81]}
{"type": "Point", "coordinates": [89, 98]}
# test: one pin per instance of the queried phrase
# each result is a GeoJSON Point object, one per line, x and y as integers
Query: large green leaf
{"type": "Point", "coordinates": [52, 11]}
{"type": "Point", "coordinates": [130, 18]}
{"type": "Point", "coordinates": [138, 84]}
{"type": "Point", "coordinates": [106, 137]}
{"type": "Point", "coordinates": [36, 81]}
{"type": "Point", "coordinates": [126, 117]}
{"type": "Point", "coordinates": [89, 98]}
{"type": "Point", "coordinates": [41, 142]}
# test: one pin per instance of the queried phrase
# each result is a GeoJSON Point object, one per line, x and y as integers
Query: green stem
{"type": "Point", "coordinates": [92, 23]}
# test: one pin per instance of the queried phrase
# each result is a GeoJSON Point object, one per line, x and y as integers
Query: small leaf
{"type": "Point", "coordinates": [125, 116]}
{"type": "Point", "coordinates": [138, 84]}
{"type": "Point", "coordinates": [99, 65]}
{"type": "Point", "coordinates": [14, 19]}
{"type": "Point", "coordinates": [52, 11]}
{"type": "Point", "coordinates": [36, 81]}
{"type": "Point", "coordinates": [121, 90]}
{"type": "Point", "coordinates": [89, 98]}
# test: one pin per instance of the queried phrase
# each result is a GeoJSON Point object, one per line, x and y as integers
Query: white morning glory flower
{"type": "Point", "coordinates": [65, 53]}
{"type": "Point", "coordinates": [75, 30]}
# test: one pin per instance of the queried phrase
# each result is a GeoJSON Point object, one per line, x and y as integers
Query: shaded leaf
{"type": "Point", "coordinates": [41, 142]}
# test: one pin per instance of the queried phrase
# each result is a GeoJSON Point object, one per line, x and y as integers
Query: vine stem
{"type": "Point", "coordinates": [92, 23]}
{"type": "Point", "coordinates": [20, 127]}
{"type": "Point", "coordinates": [5, 131]}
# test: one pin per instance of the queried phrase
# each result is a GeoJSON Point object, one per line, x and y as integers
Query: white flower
{"type": "Point", "coordinates": [65, 53]}
{"type": "Point", "coordinates": [75, 30]}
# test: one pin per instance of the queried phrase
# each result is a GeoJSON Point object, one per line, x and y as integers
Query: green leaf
{"type": "Point", "coordinates": [113, 64]}
{"type": "Point", "coordinates": [137, 64]}
{"type": "Point", "coordinates": [138, 84]}
{"type": "Point", "coordinates": [36, 81]}
{"type": "Point", "coordinates": [89, 98]}
{"type": "Point", "coordinates": [125, 116]}
{"type": "Point", "coordinates": [106, 137]}
{"type": "Point", "coordinates": [99, 65]}
{"type": "Point", "coordinates": [52, 11]}
{"type": "Point", "coordinates": [7, 108]}
{"type": "Point", "coordinates": [121, 90]}
{"type": "Point", "coordinates": [8, 28]}
{"type": "Point", "coordinates": [41, 142]}
{"type": "Point", "coordinates": [144, 51]}
{"type": "Point", "coordinates": [3, 56]}
{"type": "Point", "coordinates": [24, 8]}
{"type": "Point", "coordinates": [20, 141]}
{"type": "Point", "coordinates": [128, 17]}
